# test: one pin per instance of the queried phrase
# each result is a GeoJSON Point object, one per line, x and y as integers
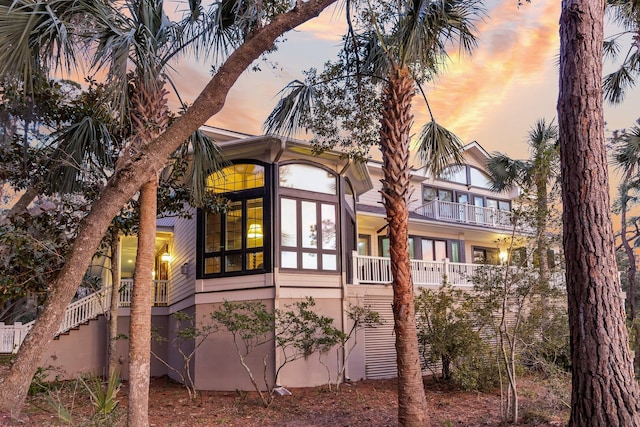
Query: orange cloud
{"type": "Point", "coordinates": [515, 49]}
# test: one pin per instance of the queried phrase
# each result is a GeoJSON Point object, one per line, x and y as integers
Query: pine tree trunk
{"type": "Point", "coordinates": [113, 365]}
{"type": "Point", "coordinates": [122, 186]}
{"type": "Point", "coordinates": [604, 391]}
{"type": "Point", "coordinates": [394, 143]}
{"type": "Point", "coordinates": [140, 321]}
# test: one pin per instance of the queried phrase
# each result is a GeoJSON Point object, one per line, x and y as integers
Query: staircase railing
{"type": "Point", "coordinates": [77, 313]}
{"type": "Point", "coordinates": [85, 309]}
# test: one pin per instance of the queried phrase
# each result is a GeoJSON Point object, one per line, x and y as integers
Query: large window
{"type": "Point", "coordinates": [234, 240]}
{"type": "Point", "coordinates": [308, 218]}
{"type": "Point", "coordinates": [467, 175]}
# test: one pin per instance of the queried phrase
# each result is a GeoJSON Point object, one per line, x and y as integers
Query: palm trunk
{"type": "Point", "coordinates": [113, 365]}
{"type": "Point", "coordinates": [604, 390]}
{"type": "Point", "coordinates": [122, 186]}
{"type": "Point", "coordinates": [140, 321]}
{"type": "Point", "coordinates": [542, 214]}
{"type": "Point", "coordinates": [394, 143]}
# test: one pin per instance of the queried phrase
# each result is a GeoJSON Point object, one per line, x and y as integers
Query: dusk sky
{"type": "Point", "coordinates": [493, 96]}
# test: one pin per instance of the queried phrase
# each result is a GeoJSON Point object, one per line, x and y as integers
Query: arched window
{"type": "Point", "coordinates": [308, 218]}
{"type": "Point", "coordinates": [234, 240]}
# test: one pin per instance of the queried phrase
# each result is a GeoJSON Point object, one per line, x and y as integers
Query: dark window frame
{"type": "Point", "coordinates": [242, 196]}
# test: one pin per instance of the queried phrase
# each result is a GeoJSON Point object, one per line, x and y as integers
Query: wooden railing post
{"type": "Point", "coordinates": [354, 268]}
{"type": "Point", "coordinates": [446, 270]}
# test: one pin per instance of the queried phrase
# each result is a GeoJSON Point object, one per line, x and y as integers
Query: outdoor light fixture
{"type": "Point", "coordinates": [503, 257]}
{"type": "Point", "coordinates": [184, 268]}
{"type": "Point", "coordinates": [165, 257]}
{"type": "Point", "coordinates": [255, 231]}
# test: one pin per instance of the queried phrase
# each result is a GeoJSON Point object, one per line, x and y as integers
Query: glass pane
{"type": "Point", "coordinates": [445, 195]}
{"type": "Point", "coordinates": [288, 223]}
{"type": "Point", "coordinates": [236, 177]}
{"type": "Point", "coordinates": [255, 261]}
{"type": "Point", "coordinates": [213, 232]}
{"type": "Point", "coordinates": [455, 251]}
{"type": "Point", "coordinates": [478, 178]}
{"type": "Point", "coordinates": [329, 262]}
{"type": "Point", "coordinates": [255, 231]}
{"type": "Point", "coordinates": [429, 194]}
{"type": "Point", "coordinates": [384, 247]}
{"type": "Point", "coordinates": [455, 173]}
{"type": "Point", "coordinates": [309, 261]}
{"type": "Point", "coordinates": [289, 259]}
{"type": "Point", "coordinates": [309, 225]}
{"type": "Point", "coordinates": [234, 226]}
{"type": "Point", "coordinates": [504, 206]}
{"type": "Point", "coordinates": [363, 245]}
{"type": "Point", "coordinates": [427, 250]}
{"type": "Point", "coordinates": [328, 213]}
{"type": "Point", "coordinates": [212, 265]}
{"type": "Point", "coordinates": [411, 250]}
{"type": "Point", "coordinates": [441, 250]}
{"type": "Point", "coordinates": [492, 203]}
{"type": "Point", "coordinates": [307, 177]}
{"type": "Point", "coordinates": [463, 198]}
{"type": "Point", "coordinates": [349, 196]}
{"type": "Point", "coordinates": [234, 262]}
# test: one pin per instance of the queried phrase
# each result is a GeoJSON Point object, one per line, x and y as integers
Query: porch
{"type": "Point", "coordinates": [159, 293]}
{"type": "Point", "coordinates": [374, 270]}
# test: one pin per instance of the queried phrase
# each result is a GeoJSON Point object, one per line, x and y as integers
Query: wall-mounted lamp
{"type": "Point", "coordinates": [503, 257]}
{"type": "Point", "coordinates": [184, 268]}
{"type": "Point", "coordinates": [255, 231]}
{"type": "Point", "coordinates": [166, 257]}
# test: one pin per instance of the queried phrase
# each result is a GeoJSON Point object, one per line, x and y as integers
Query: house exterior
{"type": "Point", "coordinates": [299, 225]}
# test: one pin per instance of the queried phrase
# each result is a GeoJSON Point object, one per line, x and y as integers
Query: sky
{"type": "Point", "coordinates": [493, 96]}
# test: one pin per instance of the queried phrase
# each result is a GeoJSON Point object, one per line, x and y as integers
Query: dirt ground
{"type": "Point", "coordinates": [362, 404]}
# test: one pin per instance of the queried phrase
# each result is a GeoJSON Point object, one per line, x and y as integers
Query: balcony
{"type": "Point", "coordinates": [377, 271]}
{"type": "Point", "coordinates": [464, 213]}
{"type": "Point", "coordinates": [159, 295]}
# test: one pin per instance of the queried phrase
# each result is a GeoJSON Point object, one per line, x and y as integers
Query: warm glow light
{"type": "Point", "coordinates": [255, 231]}
{"type": "Point", "coordinates": [503, 257]}
{"type": "Point", "coordinates": [165, 257]}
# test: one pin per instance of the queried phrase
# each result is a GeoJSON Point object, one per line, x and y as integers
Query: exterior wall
{"type": "Point", "coordinates": [184, 250]}
{"type": "Point", "coordinates": [158, 323]}
{"type": "Point", "coordinates": [217, 365]}
{"type": "Point", "coordinates": [80, 351]}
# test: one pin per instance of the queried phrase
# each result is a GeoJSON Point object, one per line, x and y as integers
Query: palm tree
{"type": "Point", "coordinates": [18, 30]}
{"type": "Point", "coordinates": [536, 173]}
{"type": "Point", "coordinates": [406, 48]}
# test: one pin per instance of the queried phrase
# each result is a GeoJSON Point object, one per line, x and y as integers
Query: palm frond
{"type": "Point", "coordinates": [40, 37]}
{"type": "Point", "coordinates": [78, 146]}
{"type": "Point", "coordinates": [504, 172]}
{"type": "Point", "coordinates": [611, 49]}
{"type": "Point", "coordinates": [616, 84]}
{"type": "Point", "coordinates": [437, 148]}
{"type": "Point", "coordinates": [626, 156]}
{"type": "Point", "coordinates": [428, 27]}
{"type": "Point", "coordinates": [296, 103]}
{"type": "Point", "coordinates": [207, 159]}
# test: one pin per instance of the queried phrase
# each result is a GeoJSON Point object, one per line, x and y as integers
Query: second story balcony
{"type": "Point", "coordinates": [464, 213]}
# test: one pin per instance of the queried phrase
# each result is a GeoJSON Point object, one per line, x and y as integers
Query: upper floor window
{"type": "Point", "coordinates": [308, 178]}
{"type": "Point", "coordinates": [466, 175]}
{"type": "Point", "coordinates": [234, 240]}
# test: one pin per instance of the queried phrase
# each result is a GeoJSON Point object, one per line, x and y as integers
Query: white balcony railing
{"type": "Point", "coordinates": [11, 336]}
{"type": "Point", "coordinates": [466, 214]}
{"type": "Point", "coordinates": [377, 270]}
{"type": "Point", "coordinates": [159, 293]}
